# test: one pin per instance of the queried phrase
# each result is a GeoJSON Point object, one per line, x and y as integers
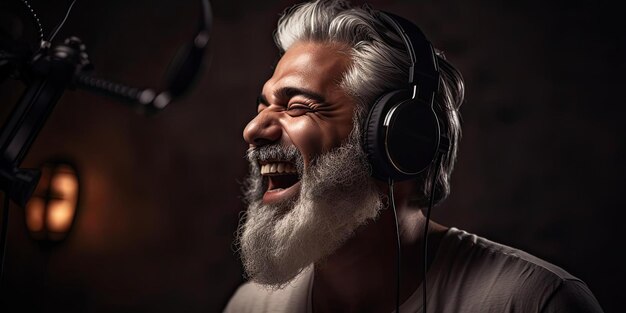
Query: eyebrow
{"type": "Point", "coordinates": [290, 92]}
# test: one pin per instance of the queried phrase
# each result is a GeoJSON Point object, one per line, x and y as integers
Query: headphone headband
{"type": "Point", "coordinates": [402, 129]}
{"type": "Point", "coordinates": [423, 75]}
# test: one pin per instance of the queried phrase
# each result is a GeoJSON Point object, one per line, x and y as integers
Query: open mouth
{"type": "Point", "coordinates": [282, 180]}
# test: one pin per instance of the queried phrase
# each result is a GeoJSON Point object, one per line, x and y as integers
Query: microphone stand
{"type": "Point", "coordinates": [50, 74]}
{"type": "Point", "coordinates": [67, 65]}
{"type": "Point", "coordinates": [55, 68]}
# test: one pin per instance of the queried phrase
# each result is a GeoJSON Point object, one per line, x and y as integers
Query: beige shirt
{"type": "Point", "coordinates": [469, 274]}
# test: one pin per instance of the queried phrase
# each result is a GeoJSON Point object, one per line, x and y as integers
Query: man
{"type": "Point", "coordinates": [319, 234]}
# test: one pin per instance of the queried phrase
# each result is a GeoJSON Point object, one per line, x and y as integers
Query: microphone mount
{"type": "Point", "coordinates": [55, 68]}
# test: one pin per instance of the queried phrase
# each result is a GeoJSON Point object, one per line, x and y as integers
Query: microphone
{"type": "Point", "coordinates": [182, 73]}
{"type": "Point", "coordinates": [55, 68]}
{"type": "Point", "coordinates": [48, 74]}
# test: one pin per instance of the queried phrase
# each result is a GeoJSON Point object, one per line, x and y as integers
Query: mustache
{"type": "Point", "coordinates": [275, 152]}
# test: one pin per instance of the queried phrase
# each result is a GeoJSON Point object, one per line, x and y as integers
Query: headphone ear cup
{"type": "Point", "coordinates": [411, 138]}
{"type": "Point", "coordinates": [400, 136]}
{"type": "Point", "coordinates": [374, 136]}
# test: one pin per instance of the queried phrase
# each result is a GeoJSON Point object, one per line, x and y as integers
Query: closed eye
{"type": "Point", "coordinates": [298, 109]}
{"type": "Point", "coordinates": [299, 106]}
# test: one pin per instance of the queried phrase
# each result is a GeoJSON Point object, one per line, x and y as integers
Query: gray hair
{"type": "Point", "coordinates": [379, 64]}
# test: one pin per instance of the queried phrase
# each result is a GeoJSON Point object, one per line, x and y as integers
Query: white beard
{"type": "Point", "coordinates": [337, 195]}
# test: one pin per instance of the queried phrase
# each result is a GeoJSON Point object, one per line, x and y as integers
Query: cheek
{"type": "Point", "coordinates": [306, 135]}
{"type": "Point", "coordinates": [320, 132]}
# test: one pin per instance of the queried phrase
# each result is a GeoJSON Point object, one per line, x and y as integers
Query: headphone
{"type": "Point", "coordinates": [401, 134]}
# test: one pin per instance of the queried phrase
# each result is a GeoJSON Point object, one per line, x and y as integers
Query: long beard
{"type": "Point", "coordinates": [337, 195]}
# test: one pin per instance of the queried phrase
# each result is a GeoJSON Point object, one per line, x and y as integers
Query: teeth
{"type": "Point", "coordinates": [277, 168]}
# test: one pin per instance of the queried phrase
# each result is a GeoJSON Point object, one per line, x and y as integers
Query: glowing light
{"type": "Point", "coordinates": [51, 210]}
{"type": "Point", "coordinates": [35, 210]}
{"type": "Point", "coordinates": [60, 215]}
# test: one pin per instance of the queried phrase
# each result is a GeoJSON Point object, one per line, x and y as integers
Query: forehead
{"type": "Point", "coordinates": [311, 65]}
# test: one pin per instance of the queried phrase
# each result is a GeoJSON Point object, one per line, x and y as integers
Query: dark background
{"type": "Point", "coordinates": [540, 163]}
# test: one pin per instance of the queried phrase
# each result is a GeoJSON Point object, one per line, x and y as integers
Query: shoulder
{"type": "Point", "coordinates": [253, 297]}
{"type": "Point", "coordinates": [506, 277]}
{"type": "Point", "coordinates": [574, 296]}
{"type": "Point", "coordinates": [500, 257]}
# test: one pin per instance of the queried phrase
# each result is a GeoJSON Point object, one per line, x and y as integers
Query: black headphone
{"type": "Point", "coordinates": [401, 133]}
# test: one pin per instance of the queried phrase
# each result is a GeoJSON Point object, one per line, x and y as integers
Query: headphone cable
{"type": "Point", "coordinates": [58, 27]}
{"type": "Point", "coordinates": [430, 207]}
{"type": "Point", "coordinates": [398, 249]}
{"type": "Point", "coordinates": [35, 19]}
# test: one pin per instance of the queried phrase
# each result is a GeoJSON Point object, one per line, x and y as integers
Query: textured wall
{"type": "Point", "coordinates": [540, 166]}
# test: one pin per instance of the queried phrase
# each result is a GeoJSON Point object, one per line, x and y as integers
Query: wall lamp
{"type": "Point", "coordinates": [51, 210]}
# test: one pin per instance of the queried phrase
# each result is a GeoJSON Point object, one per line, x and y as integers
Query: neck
{"type": "Point", "coordinates": [361, 275]}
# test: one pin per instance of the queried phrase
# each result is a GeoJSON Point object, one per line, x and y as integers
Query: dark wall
{"type": "Point", "coordinates": [540, 164]}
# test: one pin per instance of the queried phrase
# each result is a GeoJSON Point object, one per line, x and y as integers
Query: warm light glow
{"type": "Point", "coordinates": [50, 212]}
{"type": "Point", "coordinates": [65, 184]}
{"type": "Point", "coordinates": [34, 214]}
{"type": "Point", "coordinates": [60, 215]}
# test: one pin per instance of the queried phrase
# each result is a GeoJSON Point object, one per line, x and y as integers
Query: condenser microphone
{"type": "Point", "coordinates": [188, 61]}
{"type": "Point", "coordinates": [181, 74]}
{"type": "Point", "coordinates": [48, 73]}
{"type": "Point", "coordinates": [55, 68]}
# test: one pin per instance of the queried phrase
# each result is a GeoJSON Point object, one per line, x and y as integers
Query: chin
{"type": "Point", "coordinates": [293, 222]}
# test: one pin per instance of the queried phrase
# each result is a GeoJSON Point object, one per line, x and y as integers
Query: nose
{"type": "Point", "coordinates": [263, 129]}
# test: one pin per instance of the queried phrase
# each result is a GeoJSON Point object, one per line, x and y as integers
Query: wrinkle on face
{"type": "Point", "coordinates": [315, 67]}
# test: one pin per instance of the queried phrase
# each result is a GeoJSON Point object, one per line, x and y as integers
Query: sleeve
{"type": "Point", "coordinates": [572, 296]}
